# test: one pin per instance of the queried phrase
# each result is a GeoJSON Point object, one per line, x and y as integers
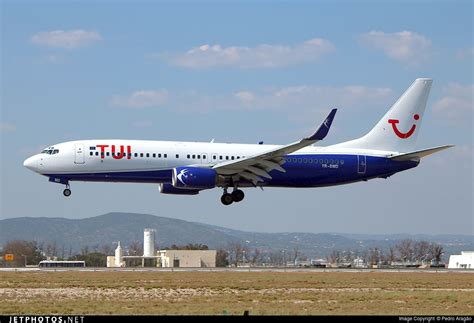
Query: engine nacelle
{"type": "Point", "coordinates": [194, 178]}
{"type": "Point", "coordinates": [170, 189]}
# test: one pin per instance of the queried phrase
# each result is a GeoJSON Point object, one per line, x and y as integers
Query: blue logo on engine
{"type": "Point", "coordinates": [183, 175]}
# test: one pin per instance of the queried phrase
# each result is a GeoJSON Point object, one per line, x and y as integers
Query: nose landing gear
{"type": "Point", "coordinates": [67, 191]}
{"type": "Point", "coordinates": [236, 196]}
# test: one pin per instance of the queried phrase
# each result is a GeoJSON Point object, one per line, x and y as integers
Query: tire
{"type": "Point", "coordinates": [67, 192]}
{"type": "Point", "coordinates": [227, 199]}
{"type": "Point", "coordinates": [238, 195]}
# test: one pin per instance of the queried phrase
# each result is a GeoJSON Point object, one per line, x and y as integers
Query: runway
{"type": "Point", "coordinates": [242, 270]}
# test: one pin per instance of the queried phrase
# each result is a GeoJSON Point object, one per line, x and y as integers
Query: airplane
{"type": "Point", "coordinates": [186, 168]}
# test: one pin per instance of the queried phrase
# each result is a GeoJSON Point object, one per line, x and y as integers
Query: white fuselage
{"type": "Point", "coordinates": [76, 157]}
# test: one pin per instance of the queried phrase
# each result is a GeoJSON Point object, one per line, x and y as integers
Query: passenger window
{"type": "Point", "coordinates": [97, 153]}
{"type": "Point", "coordinates": [194, 156]}
{"type": "Point", "coordinates": [159, 155]}
{"type": "Point", "coordinates": [199, 156]}
{"type": "Point", "coordinates": [177, 156]}
{"type": "Point", "coordinates": [342, 162]}
{"type": "Point", "coordinates": [148, 154]}
{"type": "Point", "coordinates": [108, 154]}
{"type": "Point", "coordinates": [220, 157]}
{"type": "Point", "coordinates": [325, 161]}
{"type": "Point", "coordinates": [203, 156]}
{"type": "Point", "coordinates": [214, 157]}
{"type": "Point", "coordinates": [232, 157]}
{"type": "Point", "coordinates": [141, 154]}
{"type": "Point", "coordinates": [136, 155]}
{"type": "Point", "coordinates": [189, 156]}
{"type": "Point", "coordinates": [299, 160]}
{"type": "Point", "coordinates": [332, 161]}
{"type": "Point", "coordinates": [91, 153]}
{"type": "Point", "coordinates": [154, 155]}
{"type": "Point", "coordinates": [337, 161]}
{"type": "Point", "coordinates": [238, 157]}
{"type": "Point", "coordinates": [320, 161]}
{"type": "Point", "coordinates": [165, 155]}
{"type": "Point", "coordinates": [294, 160]}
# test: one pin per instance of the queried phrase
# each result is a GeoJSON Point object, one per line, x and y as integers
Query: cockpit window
{"type": "Point", "coordinates": [50, 151]}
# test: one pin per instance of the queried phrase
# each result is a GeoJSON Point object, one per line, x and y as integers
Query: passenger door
{"type": "Point", "coordinates": [79, 156]}
{"type": "Point", "coordinates": [361, 164]}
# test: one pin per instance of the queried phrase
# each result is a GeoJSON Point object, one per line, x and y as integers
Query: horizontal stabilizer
{"type": "Point", "coordinates": [420, 153]}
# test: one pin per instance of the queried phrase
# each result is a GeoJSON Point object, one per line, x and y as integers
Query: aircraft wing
{"type": "Point", "coordinates": [253, 168]}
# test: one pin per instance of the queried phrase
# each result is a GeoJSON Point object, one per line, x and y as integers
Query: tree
{"type": "Point", "coordinates": [405, 249]}
{"type": "Point", "coordinates": [221, 258]}
{"type": "Point", "coordinates": [334, 257]}
{"type": "Point", "coordinates": [107, 249]}
{"type": "Point", "coordinates": [295, 254]}
{"type": "Point", "coordinates": [21, 249]}
{"type": "Point", "coordinates": [421, 250]}
{"type": "Point", "coordinates": [236, 252]}
{"type": "Point", "coordinates": [436, 252]}
{"type": "Point", "coordinates": [51, 250]}
{"type": "Point", "coordinates": [391, 257]}
{"type": "Point", "coordinates": [189, 246]}
{"type": "Point", "coordinates": [256, 257]}
{"type": "Point", "coordinates": [135, 248]}
{"type": "Point", "coordinates": [374, 256]}
{"type": "Point", "coordinates": [277, 258]}
{"type": "Point", "coordinates": [93, 259]}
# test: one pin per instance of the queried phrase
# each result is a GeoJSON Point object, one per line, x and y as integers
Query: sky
{"type": "Point", "coordinates": [239, 72]}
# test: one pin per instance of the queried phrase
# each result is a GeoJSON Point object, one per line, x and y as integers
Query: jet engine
{"type": "Point", "coordinates": [194, 178]}
{"type": "Point", "coordinates": [170, 189]}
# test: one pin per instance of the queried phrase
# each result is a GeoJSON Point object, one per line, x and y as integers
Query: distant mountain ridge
{"type": "Point", "coordinates": [109, 228]}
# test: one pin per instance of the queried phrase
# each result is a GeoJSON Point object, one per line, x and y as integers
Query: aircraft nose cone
{"type": "Point", "coordinates": [31, 163]}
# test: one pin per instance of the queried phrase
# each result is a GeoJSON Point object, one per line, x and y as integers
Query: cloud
{"type": "Point", "coordinates": [310, 97]}
{"type": "Point", "coordinates": [261, 56]}
{"type": "Point", "coordinates": [465, 53]}
{"type": "Point", "coordinates": [459, 155]}
{"type": "Point", "coordinates": [66, 39]}
{"type": "Point", "coordinates": [300, 98]}
{"type": "Point", "coordinates": [457, 103]}
{"type": "Point", "coordinates": [405, 46]}
{"type": "Point", "coordinates": [141, 99]}
{"type": "Point", "coordinates": [7, 127]}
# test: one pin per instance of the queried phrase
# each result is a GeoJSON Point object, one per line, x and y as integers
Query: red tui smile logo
{"type": "Point", "coordinates": [398, 132]}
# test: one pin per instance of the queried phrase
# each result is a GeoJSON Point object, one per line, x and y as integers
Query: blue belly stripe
{"type": "Point", "coordinates": [306, 170]}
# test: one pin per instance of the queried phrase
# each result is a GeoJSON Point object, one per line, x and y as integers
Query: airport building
{"type": "Point", "coordinates": [162, 258]}
{"type": "Point", "coordinates": [463, 261]}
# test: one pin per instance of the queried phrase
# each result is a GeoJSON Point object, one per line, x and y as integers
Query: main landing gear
{"type": "Point", "coordinates": [236, 196]}
{"type": "Point", "coordinates": [67, 191]}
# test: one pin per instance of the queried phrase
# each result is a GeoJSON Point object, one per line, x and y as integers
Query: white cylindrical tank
{"type": "Point", "coordinates": [149, 243]}
{"type": "Point", "coordinates": [118, 255]}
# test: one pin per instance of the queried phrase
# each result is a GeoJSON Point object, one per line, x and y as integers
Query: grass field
{"type": "Point", "coordinates": [303, 293]}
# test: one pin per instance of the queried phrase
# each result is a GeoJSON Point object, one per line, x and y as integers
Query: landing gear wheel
{"type": "Point", "coordinates": [227, 199]}
{"type": "Point", "coordinates": [238, 195]}
{"type": "Point", "coordinates": [67, 192]}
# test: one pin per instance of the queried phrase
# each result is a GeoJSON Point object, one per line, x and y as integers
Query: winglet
{"type": "Point", "coordinates": [323, 129]}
